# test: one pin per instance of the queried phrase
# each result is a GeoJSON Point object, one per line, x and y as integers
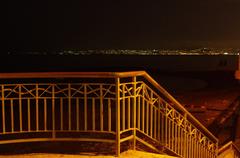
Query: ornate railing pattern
{"type": "Point", "coordinates": [56, 108]}
{"type": "Point", "coordinates": [128, 106]}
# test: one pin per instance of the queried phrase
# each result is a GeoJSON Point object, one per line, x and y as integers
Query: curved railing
{"type": "Point", "coordinates": [229, 150]}
{"type": "Point", "coordinates": [125, 106]}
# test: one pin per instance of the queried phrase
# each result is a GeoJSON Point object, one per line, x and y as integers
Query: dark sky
{"type": "Point", "coordinates": [52, 25]}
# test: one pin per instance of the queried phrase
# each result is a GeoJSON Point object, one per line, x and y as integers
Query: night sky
{"type": "Point", "coordinates": [38, 25]}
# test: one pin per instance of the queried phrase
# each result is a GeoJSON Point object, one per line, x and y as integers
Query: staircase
{"type": "Point", "coordinates": [229, 150]}
{"type": "Point", "coordinates": [117, 108]}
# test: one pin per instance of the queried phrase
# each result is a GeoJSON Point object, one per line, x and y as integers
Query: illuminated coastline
{"type": "Point", "coordinates": [199, 51]}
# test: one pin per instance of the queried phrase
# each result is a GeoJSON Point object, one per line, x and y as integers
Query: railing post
{"type": "Point", "coordinates": [117, 116]}
{"type": "Point", "coordinates": [134, 111]}
{"type": "Point", "coordinates": [3, 109]}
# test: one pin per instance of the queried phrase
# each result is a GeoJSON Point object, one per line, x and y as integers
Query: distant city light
{"type": "Point", "coordinates": [198, 51]}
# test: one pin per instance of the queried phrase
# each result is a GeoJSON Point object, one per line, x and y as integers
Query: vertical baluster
{"type": "Point", "coordinates": [172, 132]}
{"type": "Point", "coordinates": [45, 114]}
{"type": "Point", "coordinates": [37, 117]}
{"type": "Point", "coordinates": [155, 123]}
{"type": "Point", "coordinates": [139, 107]}
{"type": "Point", "coordinates": [134, 110]}
{"type": "Point", "coordinates": [182, 142]}
{"type": "Point", "coordinates": [77, 102]}
{"type": "Point", "coordinates": [20, 108]}
{"type": "Point", "coordinates": [93, 114]}
{"type": "Point", "coordinates": [151, 113]}
{"type": "Point", "coordinates": [182, 139]}
{"type": "Point", "coordinates": [190, 145]}
{"type": "Point", "coordinates": [151, 119]}
{"type": "Point", "coordinates": [53, 112]}
{"type": "Point", "coordinates": [193, 147]}
{"type": "Point", "coordinates": [176, 136]}
{"type": "Point", "coordinates": [29, 115]}
{"type": "Point", "coordinates": [159, 123]}
{"type": "Point", "coordinates": [3, 110]}
{"type": "Point", "coordinates": [206, 151]}
{"type": "Point", "coordinates": [101, 107]}
{"type": "Point", "coordinates": [69, 108]}
{"type": "Point", "coordinates": [197, 149]}
{"type": "Point", "coordinates": [166, 125]}
{"type": "Point", "coordinates": [203, 152]}
{"type": "Point", "coordinates": [109, 115]}
{"type": "Point", "coordinates": [200, 150]}
{"type": "Point", "coordinates": [129, 112]}
{"type": "Point", "coordinates": [147, 118]}
{"type": "Point", "coordinates": [209, 153]}
{"type": "Point", "coordinates": [179, 138]}
{"type": "Point", "coordinates": [185, 136]}
{"type": "Point", "coordinates": [12, 115]}
{"type": "Point", "coordinates": [163, 126]}
{"type": "Point", "coordinates": [85, 107]}
{"type": "Point", "coordinates": [169, 133]}
{"type": "Point", "coordinates": [117, 116]}
{"type": "Point", "coordinates": [187, 145]}
{"type": "Point", "coordinates": [143, 110]}
{"type": "Point", "coordinates": [123, 107]}
{"type": "Point", "coordinates": [61, 113]}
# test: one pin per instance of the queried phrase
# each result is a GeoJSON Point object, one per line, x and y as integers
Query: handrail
{"type": "Point", "coordinates": [228, 145]}
{"type": "Point", "coordinates": [179, 106]}
{"type": "Point", "coordinates": [151, 102]}
{"type": "Point", "coordinates": [25, 75]}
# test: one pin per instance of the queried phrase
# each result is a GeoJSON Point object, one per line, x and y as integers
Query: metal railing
{"type": "Point", "coordinates": [126, 106]}
{"type": "Point", "coordinates": [229, 150]}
